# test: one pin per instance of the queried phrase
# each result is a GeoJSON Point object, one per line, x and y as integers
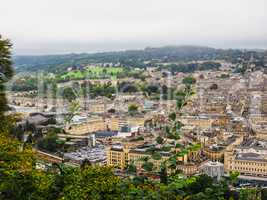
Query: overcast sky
{"type": "Point", "coordinates": [64, 26]}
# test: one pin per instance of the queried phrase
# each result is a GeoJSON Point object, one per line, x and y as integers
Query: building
{"type": "Point", "coordinates": [95, 155]}
{"type": "Point", "coordinates": [203, 121]}
{"type": "Point", "coordinates": [88, 126]}
{"type": "Point", "coordinates": [249, 158]}
{"type": "Point", "coordinates": [115, 123]}
{"type": "Point", "coordinates": [213, 169]}
{"type": "Point", "coordinates": [97, 107]}
{"type": "Point", "coordinates": [189, 169]}
{"type": "Point", "coordinates": [121, 156]}
{"type": "Point", "coordinates": [78, 140]}
{"type": "Point", "coordinates": [214, 152]}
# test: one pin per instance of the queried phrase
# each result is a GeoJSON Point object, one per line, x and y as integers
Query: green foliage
{"type": "Point", "coordinates": [163, 174]}
{"type": "Point", "coordinates": [182, 153]}
{"type": "Point", "coordinates": [264, 193]}
{"type": "Point", "coordinates": [101, 183]}
{"type": "Point", "coordinates": [180, 99]}
{"type": "Point", "coordinates": [174, 134]}
{"type": "Point", "coordinates": [6, 71]}
{"type": "Point", "coordinates": [139, 138]}
{"type": "Point", "coordinates": [136, 58]}
{"type": "Point", "coordinates": [194, 147]}
{"type": "Point", "coordinates": [132, 168]}
{"type": "Point", "coordinates": [172, 116]}
{"type": "Point", "coordinates": [132, 109]}
{"type": "Point", "coordinates": [192, 67]}
{"type": "Point", "coordinates": [69, 94]}
{"type": "Point", "coordinates": [50, 142]}
{"type": "Point", "coordinates": [150, 89]}
{"type": "Point", "coordinates": [93, 73]}
{"type": "Point", "coordinates": [73, 109]}
{"type": "Point", "coordinates": [178, 125]}
{"type": "Point", "coordinates": [156, 156]}
{"type": "Point", "coordinates": [250, 194]}
{"type": "Point", "coordinates": [95, 90]}
{"type": "Point", "coordinates": [178, 145]}
{"type": "Point", "coordinates": [159, 140]}
{"type": "Point", "coordinates": [233, 176]}
{"type": "Point", "coordinates": [224, 76]}
{"type": "Point", "coordinates": [182, 96]}
{"type": "Point", "coordinates": [165, 148]}
{"type": "Point", "coordinates": [5, 60]}
{"type": "Point", "coordinates": [147, 166]}
{"type": "Point", "coordinates": [25, 83]}
{"type": "Point", "coordinates": [91, 183]}
{"type": "Point", "coordinates": [209, 65]}
{"type": "Point", "coordinates": [127, 87]}
{"type": "Point", "coordinates": [189, 80]}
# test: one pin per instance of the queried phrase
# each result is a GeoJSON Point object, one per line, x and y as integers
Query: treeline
{"type": "Point", "coordinates": [191, 67]}
{"type": "Point", "coordinates": [135, 58]}
{"type": "Point", "coordinates": [25, 83]}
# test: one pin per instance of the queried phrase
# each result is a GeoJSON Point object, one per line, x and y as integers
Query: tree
{"type": "Point", "coordinates": [132, 168]}
{"type": "Point", "coordinates": [178, 125]}
{"type": "Point", "coordinates": [214, 86]}
{"type": "Point", "coordinates": [112, 110]}
{"type": "Point", "coordinates": [85, 164]}
{"type": "Point", "coordinates": [132, 109]}
{"type": "Point", "coordinates": [17, 160]}
{"type": "Point", "coordinates": [172, 116]}
{"type": "Point", "coordinates": [159, 140]}
{"type": "Point", "coordinates": [250, 194]}
{"type": "Point", "coordinates": [74, 109]}
{"type": "Point", "coordinates": [147, 166]}
{"type": "Point", "coordinates": [91, 183]}
{"type": "Point", "coordinates": [233, 177]}
{"type": "Point", "coordinates": [156, 156]}
{"type": "Point", "coordinates": [69, 94]}
{"type": "Point", "coordinates": [189, 80]}
{"type": "Point", "coordinates": [182, 96]}
{"type": "Point", "coordinates": [163, 174]}
{"type": "Point", "coordinates": [50, 142]}
{"type": "Point", "coordinates": [172, 163]}
{"type": "Point", "coordinates": [180, 99]}
{"type": "Point", "coordinates": [6, 71]}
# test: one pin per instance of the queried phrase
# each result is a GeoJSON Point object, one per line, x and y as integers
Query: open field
{"type": "Point", "coordinates": [93, 72]}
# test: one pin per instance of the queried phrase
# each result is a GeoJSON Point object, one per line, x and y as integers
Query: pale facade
{"type": "Point", "coordinates": [90, 126]}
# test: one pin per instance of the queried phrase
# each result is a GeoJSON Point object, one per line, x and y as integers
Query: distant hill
{"type": "Point", "coordinates": [130, 58]}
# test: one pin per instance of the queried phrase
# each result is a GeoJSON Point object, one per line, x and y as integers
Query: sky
{"type": "Point", "coordinates": [74, 26]}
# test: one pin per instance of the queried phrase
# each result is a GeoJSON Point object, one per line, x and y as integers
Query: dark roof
{"type": "Point", "coordinates": [37, 119]}
{"type": "Point", "coordinates": [103, 134]}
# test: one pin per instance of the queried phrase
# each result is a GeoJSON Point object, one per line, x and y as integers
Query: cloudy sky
{"type": "Point", "coordinates": [64, 26]}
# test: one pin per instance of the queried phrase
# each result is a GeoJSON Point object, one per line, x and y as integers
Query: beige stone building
{"type": "Point", "coordinates": [121, 156]}
{"type": "Point", "coordinates": [249, 158]}
{"type": "Point", "coordinates": [197, 121]}
{"type": "Point", "coordinates": [115, 123]}
{"type": "Point", "coordinates": [89, 126]}
{"type": "Point", "coordinates": [97, 108]}
{"type": "Point", "coordinates": [214, 154]}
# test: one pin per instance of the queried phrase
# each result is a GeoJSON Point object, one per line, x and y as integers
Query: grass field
{"type": "Point", "coordinates": [94, 72]}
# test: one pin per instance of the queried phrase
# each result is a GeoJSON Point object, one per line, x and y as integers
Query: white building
{"type": "Point", "coordinates": [213, 169]}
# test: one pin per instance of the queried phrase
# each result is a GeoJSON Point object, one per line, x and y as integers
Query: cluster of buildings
{"type": "Point", "coordinates": [224, 127]}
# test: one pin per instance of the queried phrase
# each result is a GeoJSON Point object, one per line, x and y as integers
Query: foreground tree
{"type": "Point", "coordinates": [6, 71]}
